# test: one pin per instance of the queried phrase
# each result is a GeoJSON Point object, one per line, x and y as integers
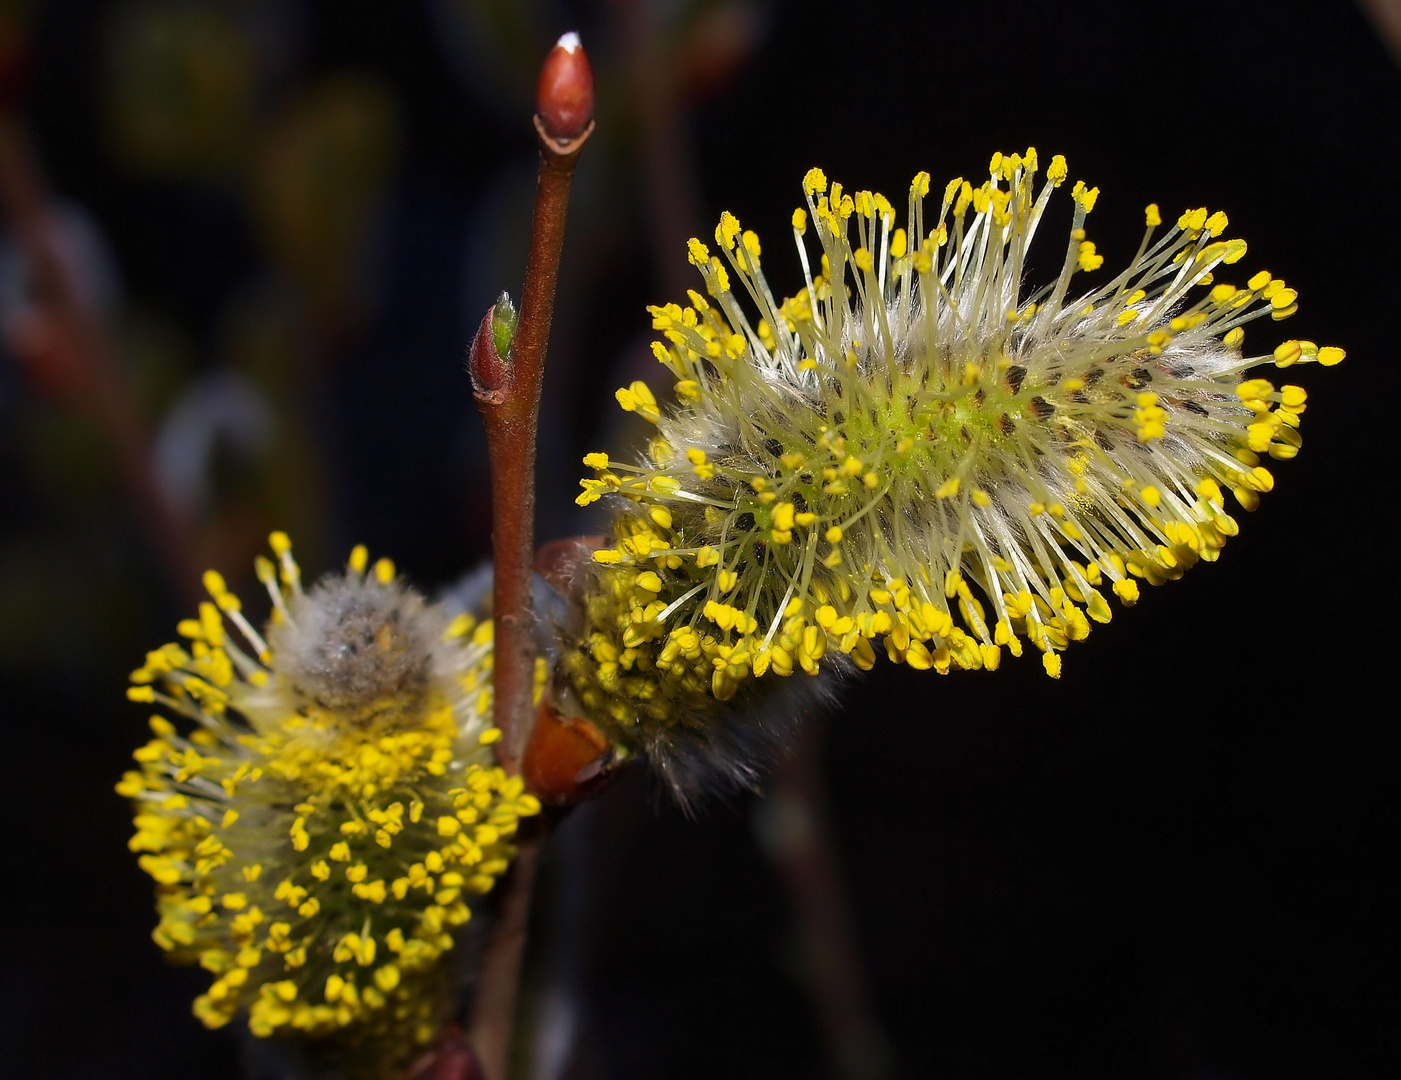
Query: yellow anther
{"type": "Point", "coordinates": [1254, 389]}
{"type": "Point", "coordinates": [638, 398]}
{"type": "Point", "coordinates": [1208, 489]}
{"type": "Point", "coordinates": [727, 230]}
{"type": "Point", "coordinates": [1192, 220]}
{"type": "Point", "coordinates": [752, 248]}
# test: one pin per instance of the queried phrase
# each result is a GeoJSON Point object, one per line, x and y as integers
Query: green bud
{"type": "Point", "coordinates": [503, 325]}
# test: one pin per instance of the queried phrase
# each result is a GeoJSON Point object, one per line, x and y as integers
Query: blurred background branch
{"type": "Point", "coordinates": [1386, 14]}
{"type": "Point", "coordinates": [66, 347]}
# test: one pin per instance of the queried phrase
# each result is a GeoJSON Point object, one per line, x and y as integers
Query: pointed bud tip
{"type": "Point", "coordinates": [564, 98]}
{"type": "Point", "coordinates": [503, 325]}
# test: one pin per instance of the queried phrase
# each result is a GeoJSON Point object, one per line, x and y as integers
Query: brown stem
{"type": "Point", "coordinates": [494, 1006]}
{"type": "Point", "coordinates": [81, 346]}
{"type": "Point", "coordinates": [508, 398]}
{"type": "Point", "coordinates": [507, 389]}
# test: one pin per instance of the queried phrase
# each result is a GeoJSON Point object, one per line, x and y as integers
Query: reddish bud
{"type": "Point", "coordinates": [564, 98]}
{"type": "Point", "coordinates": [563, 756]}
{"type": "Point", "coordinates": [490, 370]}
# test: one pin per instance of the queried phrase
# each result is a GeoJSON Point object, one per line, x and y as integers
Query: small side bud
{"type": "Point", "coordinates": [489, 359]}
{"type": "Point", "coordinates": [564, 97]}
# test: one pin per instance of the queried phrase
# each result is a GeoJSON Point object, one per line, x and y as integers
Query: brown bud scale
{"type": "Point", "coordinates": [564, 97]}
{"type": "Point", "coordinates": [489, 372]}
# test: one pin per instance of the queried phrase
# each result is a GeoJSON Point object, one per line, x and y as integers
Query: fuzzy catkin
{"type": "Point", "coordinates": [916, 455]}
{"type": "Point", "coordinates": [320, 808]}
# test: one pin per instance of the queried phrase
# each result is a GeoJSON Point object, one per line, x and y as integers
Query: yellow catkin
{"type": "Point", "coordinates": [253, 820]}
{"type": "Point", "coordinates": [940, 486]}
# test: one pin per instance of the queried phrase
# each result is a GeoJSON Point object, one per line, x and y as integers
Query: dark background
{"type": "Point", "coordinates": [1176, 861]}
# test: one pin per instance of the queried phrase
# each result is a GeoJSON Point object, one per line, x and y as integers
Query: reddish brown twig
{"type": "Point", "coordinates": [507, 364]}
{"type": "Point", "coordinates": [493, 1016]}
{"type": "Point", "coordinates": [507, 389]}
{"type": "Point", "coordinates": [83, 355]}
